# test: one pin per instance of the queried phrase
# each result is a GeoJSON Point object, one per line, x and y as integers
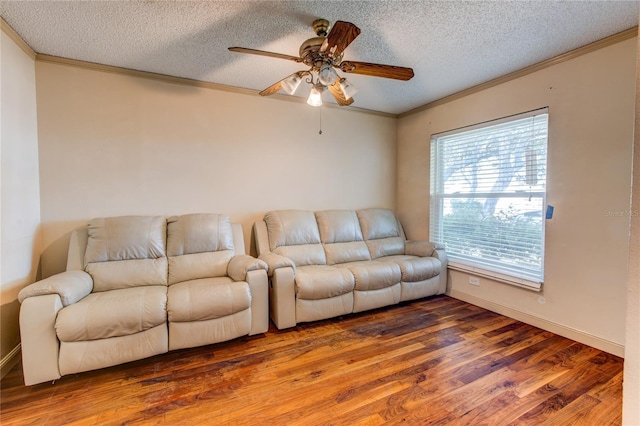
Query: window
{"type": "Point", "coordinates": [488, 197]}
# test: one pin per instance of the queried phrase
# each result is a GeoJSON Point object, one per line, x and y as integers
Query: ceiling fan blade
{"type": "Point", "coordinates": [338, 94]}
{"type": "Point", "coordinates": [377, 70]}
{"type": "Point", "coordinates": [271, 90]}
{"type": "Point", "coordinates": [341, 35]}
{"type": "Point", "coordinates": [274, 88]}
{"type": "Point", "coordinates": [265, 53]}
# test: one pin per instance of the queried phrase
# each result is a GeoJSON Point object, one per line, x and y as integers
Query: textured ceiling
{"type": "Point", "coordinates": [450, 45]}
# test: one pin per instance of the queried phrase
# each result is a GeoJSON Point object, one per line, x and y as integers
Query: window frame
{"type": "Point", "coordinates": [438, 196]}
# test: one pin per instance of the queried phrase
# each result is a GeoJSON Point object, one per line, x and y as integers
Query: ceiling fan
{"type": "Point", "coordinates": [322, 54]}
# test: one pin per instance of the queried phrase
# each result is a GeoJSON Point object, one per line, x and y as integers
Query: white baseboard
{"type": "Point", "coordinates": [10, 360]}
{"type": "Point", "coordinates": [554, 327]}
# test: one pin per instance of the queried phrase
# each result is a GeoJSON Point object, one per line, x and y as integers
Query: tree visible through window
{"type": "Point", "coordinates": [488, 196]}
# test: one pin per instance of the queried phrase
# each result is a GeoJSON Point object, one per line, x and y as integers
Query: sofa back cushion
{"type": "Point", "coordinates": [199, 245]}
{"type": "Point", "coordinates": [341, 236]}
{"type": "Point", "coordinates": [126, 251]}
{"type": "Point", "coordinates": [381, 232]}
{"type": "Point", "coordinates": [294, 234]}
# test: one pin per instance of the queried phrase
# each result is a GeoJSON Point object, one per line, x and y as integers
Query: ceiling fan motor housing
{"type": "Point", "coordinates": [313, 57]}
{"type": "Point", "coordinates": [310, 46]}
{"type": "Point", "coordinates": [321, 27]}
{"type": "Point", "coordinates": [322, 54]}
{"type": "Point", "coordinates": [311, 50]}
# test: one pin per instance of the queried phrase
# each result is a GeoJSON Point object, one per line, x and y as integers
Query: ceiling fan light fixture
{"type": "Point", "coordinates": [291, 83]}
{"type": "Point", "coordinates": [347, 88]}
{"type": "Point", "coordinates": [321, 55]}
{"type": "Point", "coordinates": [327, 75]}
{"type": "Point", "coordinates": [315, 96]}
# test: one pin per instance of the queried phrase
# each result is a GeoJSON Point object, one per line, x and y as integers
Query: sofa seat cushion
{"type": "Point", "coordinates": [113, 313]}
{"type": "Point", "coordinates": [373, 275]}
{"type": "Point", "coordinates": [207, 298]}
{"type": "Point", "coordinates": [322, 282]}
{"type": "Point", "coordinates": [415, 268]}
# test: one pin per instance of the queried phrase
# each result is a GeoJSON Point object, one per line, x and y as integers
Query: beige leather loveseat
{"type": "Point", "coordinates": [138, 286]}
{"type": "Point", "coordinates": [336, 262]}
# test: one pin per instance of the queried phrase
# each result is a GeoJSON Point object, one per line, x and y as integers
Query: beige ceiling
{"type": "Point", "coordinates": [451, 45]}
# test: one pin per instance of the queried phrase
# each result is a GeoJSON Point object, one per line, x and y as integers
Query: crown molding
{"type": "Point", "coordinates": [188, 82]}
{"type": "Point", "coordinates": [6, 28]}
{"type": "Point", "coordinates": [591, 47]}
{"type": "Point", "coordinates": [40, 57]}
{"type": "Point", "coordinates": [572, 54]}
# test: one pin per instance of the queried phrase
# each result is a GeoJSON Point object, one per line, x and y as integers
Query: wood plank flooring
{"type": "Point", "coordinates": [435, 361]}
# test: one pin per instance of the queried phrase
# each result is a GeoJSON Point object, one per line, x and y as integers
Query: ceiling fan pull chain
{"type": "Point", "coordinates": [320, 132]}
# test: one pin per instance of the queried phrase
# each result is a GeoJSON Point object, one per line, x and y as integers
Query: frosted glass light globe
{"type": "Point", "coordinates": [327, 75]}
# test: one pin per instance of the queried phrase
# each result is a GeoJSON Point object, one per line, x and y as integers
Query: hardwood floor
{"type": "Point", "coordinates": [435, 361]}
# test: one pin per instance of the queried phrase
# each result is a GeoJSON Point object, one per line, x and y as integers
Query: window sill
{"type": "Point", "coordinates": [495, 276]}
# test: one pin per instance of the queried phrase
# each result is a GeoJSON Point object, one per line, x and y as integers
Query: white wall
{"type": "Point", "coordinates": [20, 193]}
{"type": "Point", "coordinates": [112, 144]}
{"type": "Point", "coordinates": [591, 105]}
{"type": "Point", "coordinates": [631, 382]}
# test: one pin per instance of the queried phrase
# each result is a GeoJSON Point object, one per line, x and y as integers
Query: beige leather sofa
{"type": "Point", "coordinates": [137, 286]}
{"type": "Point", "coordinates": [336, 262]}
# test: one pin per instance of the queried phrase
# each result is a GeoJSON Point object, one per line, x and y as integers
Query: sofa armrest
{"type": "Point", "coordinates": [240, 266]}
{"type": "Point", "coordinates": [276, 261]}
{"type": "Point", "coordinates": [71, 286]}
{"type": "Point", "coordinates": [440, 254]}
{"type": "Point", "coordinates": [430, 249]}
{"type": "Point", "coordinates": [39, 342]}
{"type": "Point", "coordinates": [259, 287]}
{"type": "Point", "coordinates": [282, 298]}
{"type": "Point", "coordinates": [422, 248]}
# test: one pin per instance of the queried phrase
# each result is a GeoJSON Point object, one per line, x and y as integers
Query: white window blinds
{"type": "Point", "coordinates": [488, 197]}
